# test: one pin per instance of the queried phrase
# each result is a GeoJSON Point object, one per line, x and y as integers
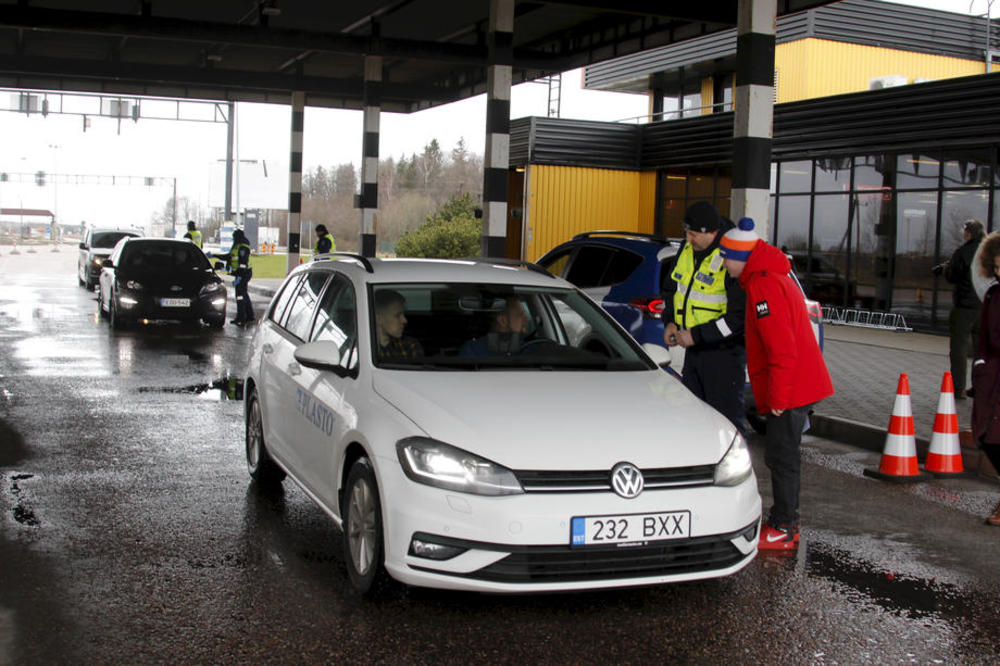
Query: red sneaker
{"type": "Point", "coordinates": [781, 537]}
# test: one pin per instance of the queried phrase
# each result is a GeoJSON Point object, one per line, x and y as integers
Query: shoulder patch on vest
{"type": "Point", "coordinates": [762, 309]}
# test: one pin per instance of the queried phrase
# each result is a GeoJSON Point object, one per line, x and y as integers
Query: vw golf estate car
{"type": "Point", "coordinates": [457, 453]}
{"type": "Point", "coordinates": [148, 279]}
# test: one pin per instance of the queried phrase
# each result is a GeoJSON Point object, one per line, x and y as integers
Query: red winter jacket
{"type": "Point", "coordinates": [783, 358]}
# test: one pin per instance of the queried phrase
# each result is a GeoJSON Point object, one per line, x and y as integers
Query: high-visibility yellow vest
{"type": "Point", "coordinates": [701, 294]}
{"type": "Point", "coordinates": [333, 244]}
{"type": "Point", "coordinates": [234, 256]}
{"type": "Point", "coordinates": [195, 236]}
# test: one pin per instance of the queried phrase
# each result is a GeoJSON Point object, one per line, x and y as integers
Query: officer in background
{"type": "Point", "coordinates": [707, 316]}
{"type": "Point", "coordinates": [239, 266]}
{"type": "Point", "coordinates": [193, 234]}
{"type": "Point", "coordinates": [324, 241]}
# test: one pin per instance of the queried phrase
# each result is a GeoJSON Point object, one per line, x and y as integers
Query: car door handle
{"type": "Point", "coordinates": [267, 348]}
{"type": "Point", "coordinates": [294, 369]}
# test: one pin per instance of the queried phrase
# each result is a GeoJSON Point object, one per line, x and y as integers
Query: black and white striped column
{"type": "Point", "coordinates": [754, 110]}
{"type": "Point", "coordinates": [295, 181]}
{"type": "Point", "coordinates": [369, 164]}
{"type": "Point", "coordinates": [500, 61]}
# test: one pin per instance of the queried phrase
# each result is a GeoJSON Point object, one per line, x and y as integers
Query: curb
{"type": "Point", "coordinates": [871, 438]}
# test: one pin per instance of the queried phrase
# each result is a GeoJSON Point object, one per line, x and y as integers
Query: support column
{"type": "Point", "coordinates": [500, 59]}
{"type": "Point", "coordinates": [230, 128]}
{"type": "Point", "coordinates": [753, 99]}
{"type": "Point", "coordinates": [295, 181]}
{"type": "Point", "coordinates": [369, 163]}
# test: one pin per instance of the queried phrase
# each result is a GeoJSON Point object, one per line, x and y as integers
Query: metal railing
{"type": "Point", "coordinates": [888, 321]}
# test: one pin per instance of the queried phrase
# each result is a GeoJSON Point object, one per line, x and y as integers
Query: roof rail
{"type": "Point", "coordinates": [346, 255]}
{"type": "Point", "coordinates": [608, 232]}
{"type": "Point", "coordinates": [504, 261]}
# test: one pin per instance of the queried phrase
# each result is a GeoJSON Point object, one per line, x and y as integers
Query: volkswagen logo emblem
{"type": "Point", "coordinates": [626, 480]}
{"type": "Point", "coordinates": [176, 287]}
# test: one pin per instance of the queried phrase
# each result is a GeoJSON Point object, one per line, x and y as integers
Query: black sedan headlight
{"type": "Point", "coordinates": [210, 288]}
{"type": "Point", "coordinates": [444, 466]}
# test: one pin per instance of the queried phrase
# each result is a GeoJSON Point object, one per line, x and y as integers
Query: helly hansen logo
{"type": "Point", "coordinates": [762, 310]}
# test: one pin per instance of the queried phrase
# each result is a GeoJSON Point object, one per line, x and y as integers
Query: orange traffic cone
{"type": "Point", "coordinates": [944, 458]}
{"type": "Point", "coordinates": [899, 456]}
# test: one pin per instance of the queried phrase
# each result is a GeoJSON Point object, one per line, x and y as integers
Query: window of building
{"type": "Point", "coordinates": [966, 168]}
{"type": "Point", "coordinates": [795, 177]}
{"type": "Point", "coordinates": [915, 171]}
{"type": "Point", "coordinates": [916, 249]}
{"type": "Point", "coordinates": [833, 174]}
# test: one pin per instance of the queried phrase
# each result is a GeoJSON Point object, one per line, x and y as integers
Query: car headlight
{"type": "Point", "coordinates": [210, 288]}
{"type": "Point", "coordinates": [437, 464]}
{"type": "Point", "coordinates": [134, 285]}
{"type": "Point", "coordinates": [98, 261]}
{"type": "Point", "coordinates": [735, 466]}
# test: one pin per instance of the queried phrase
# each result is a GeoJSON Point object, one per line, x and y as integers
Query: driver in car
{"type": "Point", "coordinates": [390, 320]}
{"type": "Point", "coordinates": [506, 333]}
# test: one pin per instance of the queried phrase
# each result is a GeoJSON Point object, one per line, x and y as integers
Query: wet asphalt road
{"type": "Point", "coordinates": [130, 533]}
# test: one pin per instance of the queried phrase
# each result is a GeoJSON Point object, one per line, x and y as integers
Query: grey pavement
{"type": "Point", "coordinates": [865, 365]}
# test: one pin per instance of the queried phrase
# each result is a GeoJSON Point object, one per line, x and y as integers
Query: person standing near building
{"type": "Point", "coordinates": [324, 241]}
{"type": "Point", "coordinates": [239, 266]}
{"type": "Point", "coordinates": [787, 371]}
{"type": "Point", "coordinates": [986, 367]}
{"type": "Point", "coordinates": [193, 234]}
{"type": "Point", "coordinates": [963, 320]}
{"type": "Point", "coordinates": [707, 313]}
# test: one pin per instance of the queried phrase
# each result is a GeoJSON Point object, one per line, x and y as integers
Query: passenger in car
{"type": "Point", "coordinates": [506, 333]}
{"type": "Point", "coordinates": [390, 320]}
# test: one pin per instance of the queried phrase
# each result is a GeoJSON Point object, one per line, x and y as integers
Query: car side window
{"type": "Point", "coordinates": [557, 264]}
{"type": "Point", "coordinates": [590, 266]}
{"type": "Point", "coordinates": [303, 305]}
{"type": "Point", "coordinates": [281, 303]}
{"type": "Point", "coordinates": [336, 319]}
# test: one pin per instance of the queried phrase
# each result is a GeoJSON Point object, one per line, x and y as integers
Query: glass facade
{"type": "Point", "coordinates": [863, 231]}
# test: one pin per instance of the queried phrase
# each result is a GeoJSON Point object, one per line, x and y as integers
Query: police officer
{"type": "Point", "coordinates": [324, 241]}
{"type": "Point", "coordinates": [193, 234]}
{"type": "Point", "coordinates": [706, 317]}
{"type": "Point", "coordinates": [239, 266]}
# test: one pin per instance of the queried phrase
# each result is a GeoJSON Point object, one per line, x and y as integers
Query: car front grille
{"type": "Point", "coordinates": [565, 564]}
{"type": "Point", "coordinates": [600, 480]}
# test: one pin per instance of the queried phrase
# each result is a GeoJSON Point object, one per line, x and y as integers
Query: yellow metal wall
{"type": "Point", "coordinates": [564, 201]}
{"type": "Point", "coordinates": [809, 68]}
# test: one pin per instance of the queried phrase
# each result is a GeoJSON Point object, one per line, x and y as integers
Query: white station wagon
{"type": "Point", "coordinates": [483, 425]}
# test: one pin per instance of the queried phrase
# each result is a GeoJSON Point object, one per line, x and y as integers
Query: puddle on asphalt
{"type": "Point", "coordinates": [224, 388]}
{"type": "Point", "coordinates": [898, 593]}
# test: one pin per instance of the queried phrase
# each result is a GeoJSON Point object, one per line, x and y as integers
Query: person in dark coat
{"type": "Point", "coordinates": [986, 367]}
{"type": "Point", "coordinates": [963, 320]}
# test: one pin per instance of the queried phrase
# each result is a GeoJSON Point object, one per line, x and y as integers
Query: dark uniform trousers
{"type": "Point", "coordinates": [716, 375]}
{"type": "Point", "coordinates": [783, 458]}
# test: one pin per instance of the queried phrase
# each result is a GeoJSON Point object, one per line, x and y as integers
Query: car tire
{"type": "Point", "coordinates": [88, 285]}
{"type": "Point", "coordinates": [364, 545]}
{"type": "Point", "coordinates": [100, 305]}
{"type": "Point", "coordinates": [118, 322]}
{"type": "Point", "coordinates": [80, 279]}
{"type": "Point", "coordinates": [262, 468]}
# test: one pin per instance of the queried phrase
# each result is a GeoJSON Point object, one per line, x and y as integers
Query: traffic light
{"type": "Point", "coordinates": [40, 178]}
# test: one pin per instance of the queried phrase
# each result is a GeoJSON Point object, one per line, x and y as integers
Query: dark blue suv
{"type": "Point", "coordinates": [621, 270]}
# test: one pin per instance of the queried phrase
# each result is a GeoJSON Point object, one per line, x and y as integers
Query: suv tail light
{"type": "Point", "coordinates": [651, 307]}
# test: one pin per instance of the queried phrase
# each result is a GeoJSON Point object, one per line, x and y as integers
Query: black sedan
{"type": "Point", "coordinates": [148, 279]}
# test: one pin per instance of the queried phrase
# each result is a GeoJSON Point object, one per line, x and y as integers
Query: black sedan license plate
{"type": "Point", "coordinates": [175, 302]}
{"type": "Point", "coordinates": [630, 528]}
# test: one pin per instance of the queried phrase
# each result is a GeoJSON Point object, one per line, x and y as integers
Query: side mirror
{"type": "Point", "coordinates": [659, 354]}
{"type": "Point", "coordinates": [107, 263]}
{"type": "Point", "coordinates": [219, 266]}
{"type": "Point", "coordinates": [83, 246]}
{"type": "Point", "coordinates": [321, 355]}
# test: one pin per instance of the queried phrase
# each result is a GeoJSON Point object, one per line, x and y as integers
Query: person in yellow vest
{"type": "Point", "coordinates": [193, 234]}
{"type": "Point", "coordinates": [706, 316]}
{"type": "Point", "coordinates": [324, 241]}
{"type": "Point", "coordinates": [239, 264]}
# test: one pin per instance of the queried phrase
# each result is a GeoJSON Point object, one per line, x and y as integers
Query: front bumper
{"type": "Point", "coordinates": [520, 543]}
{"type": "Point", "coordinates": [136, 305]}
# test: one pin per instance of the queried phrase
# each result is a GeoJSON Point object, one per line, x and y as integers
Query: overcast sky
{"type": "Point", "coordinates": [191, 152]}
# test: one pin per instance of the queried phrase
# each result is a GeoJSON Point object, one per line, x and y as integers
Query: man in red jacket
{"type": "Point", "coordinates": [787, 372]}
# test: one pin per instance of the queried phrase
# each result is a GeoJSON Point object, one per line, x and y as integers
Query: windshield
{"type": "Point", "coordinates": [465, 326]}
{"type": "Point", "coordinates": [162, 256]}
{"type": "Point", "coordinates": [108, 238]}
